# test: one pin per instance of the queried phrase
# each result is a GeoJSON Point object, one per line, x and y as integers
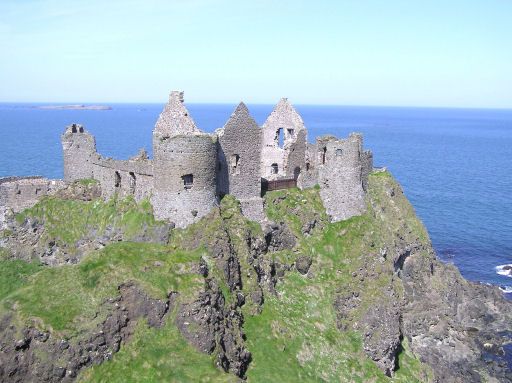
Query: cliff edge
{"type": "Point", "coordinates": [95, 290]}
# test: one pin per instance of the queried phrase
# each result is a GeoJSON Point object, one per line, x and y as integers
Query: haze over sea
{"type": "Point", "coordinates": [454, 164]}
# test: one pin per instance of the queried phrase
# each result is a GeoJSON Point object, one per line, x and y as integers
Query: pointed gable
{"type": "Point", "coordinates": [175, 119]}
{"type": "Point", "coordinates": [284, 115]}
{"type": "Point", "coordinates": [241, 119]}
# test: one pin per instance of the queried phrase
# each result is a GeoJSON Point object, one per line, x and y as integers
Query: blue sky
{"type": "Point", "coordinates": [404, 53]}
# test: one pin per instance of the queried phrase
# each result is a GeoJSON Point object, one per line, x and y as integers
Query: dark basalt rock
{"type": "Point", "coordinates": [209, 324]}
{"type": "Point", "coordinates": [303, 263]}
{"type": "Point", "coordinates": [279, 237]}
{"type": "Point", "coordinates": [20, 358]}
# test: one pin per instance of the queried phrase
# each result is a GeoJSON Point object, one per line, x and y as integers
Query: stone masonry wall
{"type": "Point", "coordinates": [79, 149]}
{"type": "Point", "coordinates": [367, 167]}
{"type": "Point", "coordinates": [309, 174]}
{"type": "Point", "coordinates": [340, 176]}
{"type": "Point", "coordinates": [296, 155]}
{"type": "Point", "coordinates": [238, 168]}
{"type": "Point", "coordinates": [191, 169]}
{"type": "Point", "coordinates": [19, 193]}
{"type": "Point", "coordinates": [124, 177]}
{"type": "Point", "coordinates": [283, 118]}
{"type": "Point", "coordinates": [179, 160]}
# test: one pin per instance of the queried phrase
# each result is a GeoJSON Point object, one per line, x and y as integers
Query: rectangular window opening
{"type": "Point", "coordinates": [188, 181]}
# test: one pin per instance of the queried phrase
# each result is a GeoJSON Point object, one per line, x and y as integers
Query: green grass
{"type": "Point", "coordinates": [67, 299]}
{"type": "Point", "coordinates": [14, 274]}
{"type": "Point", "coordinates": [67, 221]}
{"type": "Point", "coordinates": [293, 338]}
{"type": "Point", "coordinates": [87, 181]}
{"type": "Point", "coordinates": [157, 355]}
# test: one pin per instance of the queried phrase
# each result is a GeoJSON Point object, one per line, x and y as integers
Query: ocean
{"type": "Point", "coordinates": [455, 165]}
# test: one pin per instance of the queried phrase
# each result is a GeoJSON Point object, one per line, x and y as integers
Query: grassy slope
{"type": "Point", "coordinates": [293, 339]}
{"type": "Point", "coordinates": [67, 221]}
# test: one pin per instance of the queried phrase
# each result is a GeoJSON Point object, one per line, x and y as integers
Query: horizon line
{"type": "Point", "coordinates": [92, 103]}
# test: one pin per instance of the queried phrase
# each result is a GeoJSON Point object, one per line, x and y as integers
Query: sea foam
{"type": "Point", "coordinates": [505, 270]}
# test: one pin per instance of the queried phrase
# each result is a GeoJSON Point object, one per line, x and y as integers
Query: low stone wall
{"type": "Point", "coordinates": [124, 177]}
{"type": "Point", "coordinates": [19, 193]}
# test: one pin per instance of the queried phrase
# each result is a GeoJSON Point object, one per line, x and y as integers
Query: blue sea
{"type": "Point", "coordinates": [455, 165]}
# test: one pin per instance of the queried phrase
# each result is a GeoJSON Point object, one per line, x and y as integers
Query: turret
{"type": "Point", "coordinates": [79, 148]}
{"type": "Point", "coordinates": [184, 160]}
{"type": "Point", "coordinates": [340, 175]}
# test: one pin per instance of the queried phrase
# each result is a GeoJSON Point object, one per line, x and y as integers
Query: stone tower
{"type": "Point", "coordinates": [79, 150]}
{"type": "Point", "coordinates": [184, 166]}
{"type": "Point", "coordinates": [340, 175]}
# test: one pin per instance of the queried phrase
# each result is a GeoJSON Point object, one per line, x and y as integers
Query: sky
{"type": "Point", "coordinates": [446, 53]}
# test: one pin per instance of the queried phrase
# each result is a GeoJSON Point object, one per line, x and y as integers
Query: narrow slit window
{"type": "Point", "coordinates": [133, 182]}
{"type": "Point", "coordinates": [235, 164]}
{"type": "Point", "coordinates": [117, 180]}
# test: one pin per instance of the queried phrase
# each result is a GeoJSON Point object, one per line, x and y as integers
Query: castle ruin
{"type": "Point", "coordinates": [192, 170]}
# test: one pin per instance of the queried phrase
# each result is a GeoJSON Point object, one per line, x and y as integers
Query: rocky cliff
{"type": "Point", "coordinates": [97, 290]}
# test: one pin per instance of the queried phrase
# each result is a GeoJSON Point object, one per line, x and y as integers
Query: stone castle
{"type": "Point", "coordinates": [192, 170]}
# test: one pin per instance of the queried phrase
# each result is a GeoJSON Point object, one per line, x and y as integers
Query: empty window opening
{"type": "Point", "coordinates": [73, 128]}
{"type": "Point", "coordinates": [81, 129]}
{"type": "Point", "coordinates": [307, 166]}
{"type": "Point", "coordinates": [339, 152]}
{"type": "Point", "coordinates": [235, 164]}
{"type": "Point", "coordinates": [37, 191]}
{"type": "Point", "coordinates": [280, 137]}
{"type": "Point", "coordinates": [117, 180]}
{"type": "Point", "coordinates": [274, 169]}
{"type": "Point", "coordinates": [18, 192]}
{"type": "Point", "coordinates": [291, 133]}
{"type": "Point", "coordinates": [188, 181]}
{"type": "Point", "coordinates": [133, 182]}
{"type": "Point", "coordinates": [296, 172]}
{"type": "Point", "coordinates": [322, 155]}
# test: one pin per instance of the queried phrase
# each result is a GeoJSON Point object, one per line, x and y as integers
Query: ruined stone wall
{"type": "Point", "coordinates": [295, 161]}
{"type": "Point", "coordinates": [238, 169]}
{"type": "Point", "coordinates": [124, 177]}
{"type": "Point", "coordinates": [285, 119]}
{"type": "Point", "coordinates": [175, 118]}
{"type": "Point", "coordinates": [340, 176]}
{"type": "Point", "coordinates": [184, 177]}
{"type": "Point", "coordinates": [367, 167]}
{"type": "Point", "coordinates": [79, 150]}
{"type": "Point", "coordinates": [19, 193]}
{"type": "Point", "coordinates": [309, 174]}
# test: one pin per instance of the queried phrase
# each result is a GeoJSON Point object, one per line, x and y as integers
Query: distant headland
{"type": "Point", "coordinates": [74, 107]}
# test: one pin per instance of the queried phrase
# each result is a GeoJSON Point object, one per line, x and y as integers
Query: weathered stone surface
{"type": "Point", "coordinates": [191, 170]}
{"type": "Point", "coordinates": [458, 327]}
{"type": "Point", "coordinates": [303, 263]}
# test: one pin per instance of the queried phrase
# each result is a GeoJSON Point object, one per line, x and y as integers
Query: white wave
{"type": "Point", "coordinates": [506, 289]}
{"type": "Point", "coordinates": [505, 270]}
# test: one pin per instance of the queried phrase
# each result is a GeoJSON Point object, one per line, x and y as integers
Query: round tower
{"type": "Point", "coordinates": [79, 148]}
{"type": "Point", "coordinates": [184, 177]}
